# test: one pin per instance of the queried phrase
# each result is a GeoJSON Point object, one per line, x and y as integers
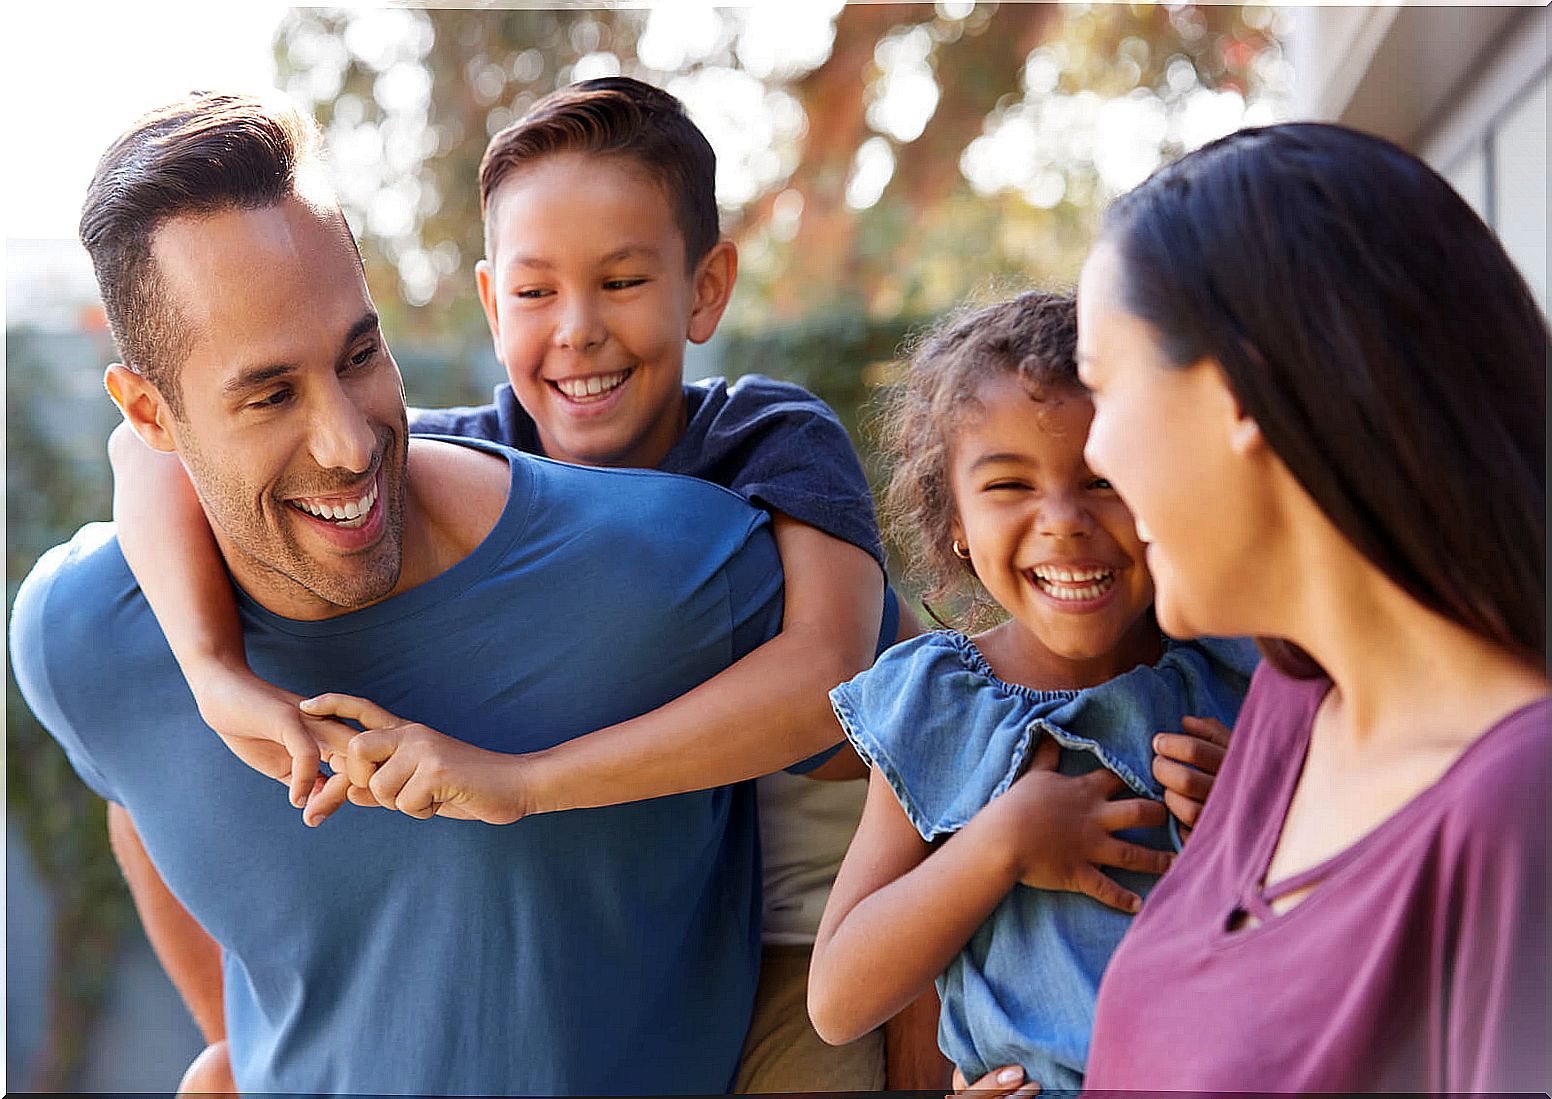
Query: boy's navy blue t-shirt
{"type": "Point", "coordinates": [774, 443]}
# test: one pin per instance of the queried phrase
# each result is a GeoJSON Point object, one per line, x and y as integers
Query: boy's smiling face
{"type": "Point", "coordinates": [590, 300]}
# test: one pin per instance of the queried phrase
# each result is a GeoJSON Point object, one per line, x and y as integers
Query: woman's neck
{"type": "Point", "coordinates": [1400, 669]}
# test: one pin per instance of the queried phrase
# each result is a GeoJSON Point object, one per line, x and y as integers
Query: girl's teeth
{"type": "Point", "coordinates": [1072, 592]}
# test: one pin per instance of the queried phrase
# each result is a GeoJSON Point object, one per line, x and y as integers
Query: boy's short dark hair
{"type": "Point", "coordinates": [617, 116]}
{"type": "Point", "coordinates": [200, 155]}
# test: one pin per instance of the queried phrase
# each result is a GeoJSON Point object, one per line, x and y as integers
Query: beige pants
{"type": "Point", "coordinates": [783, 1053]}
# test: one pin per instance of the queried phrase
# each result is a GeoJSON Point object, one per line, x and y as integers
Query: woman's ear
{"type": "Point", "coordinates": [1241, 430]}
{"type": "Point", "coordinates": [145, 409]}
{"type": "Point", "coordinates": [1245, 438]}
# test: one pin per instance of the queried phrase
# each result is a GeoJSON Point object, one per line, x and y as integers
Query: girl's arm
{"type": "Point", "coordinates": [167, 542]}
{"type": "Point", "coordinates": [765, 712]}
{"type": "Point", "coordinates": [897, 917]}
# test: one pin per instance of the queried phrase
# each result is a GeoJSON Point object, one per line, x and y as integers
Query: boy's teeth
{"type": "Point", "coordinates": [592, 386]}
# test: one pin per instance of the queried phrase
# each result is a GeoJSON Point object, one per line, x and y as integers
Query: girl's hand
{"type": "Point", "coordinates": [415, 770]}
{"type": "Point", "coordinates": [262, 726]}
{"type": "Point", "coordinates": [1008, 1080]}
{"type": "Point", "coordinates": [1060, 830]}
{"type": "Point", "coordinates": [1187, 765]}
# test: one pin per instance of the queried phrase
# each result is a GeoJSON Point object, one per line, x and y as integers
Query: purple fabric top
{"type": "Point", "coordinates": [1418, 962]}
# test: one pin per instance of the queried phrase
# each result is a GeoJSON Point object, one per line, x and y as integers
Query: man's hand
{"type": "Point", "coordinates": [1060, 829]}
{"type": "Point", "coordinates": [1008, 1080]}
{"type": "Point", "coordinates": [400, 765]}
{"type": "Point", "coordinates": [1187, 764]}
{"type": "Point", "coordinates": [262, 726]}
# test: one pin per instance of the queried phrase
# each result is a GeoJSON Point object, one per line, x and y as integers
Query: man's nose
{"type": "Point", "coordinates": [341, 436]}
{"type": "Point", "coordinates": [581, 327]}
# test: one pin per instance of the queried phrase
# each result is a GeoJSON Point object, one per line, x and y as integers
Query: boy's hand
{"type": "Point", "coordinates": [262, 726]}
{"type": "Point", "coordinates": [1061, 830]}
{"type": "Point", "coordinates": [1187, 765]}
{"type": "Point", "coordinates": [420, 772]}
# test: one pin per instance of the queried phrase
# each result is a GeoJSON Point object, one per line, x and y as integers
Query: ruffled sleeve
{"type": "Point", "coordinates": [946, 735]}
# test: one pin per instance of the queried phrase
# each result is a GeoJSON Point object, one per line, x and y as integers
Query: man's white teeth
{"type": "Point", "coordinates": [1073, 585]}
{"type": "Point", "coordinates": [353, 513]}
{"type": "Point", "coordinates": [592, 386]}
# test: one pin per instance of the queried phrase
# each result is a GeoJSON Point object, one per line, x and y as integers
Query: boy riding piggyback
{"type": "Point", "coordinates": [604, 260]}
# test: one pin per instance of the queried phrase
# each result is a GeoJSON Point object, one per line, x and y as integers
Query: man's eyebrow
{"type": "Point", "coordinates": [367, 324]}
{"type": "Point", "coordinates": [255, 376]}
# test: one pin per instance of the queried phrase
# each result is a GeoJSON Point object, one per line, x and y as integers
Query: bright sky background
{"type": "Point", "coordinates": [76, 74]}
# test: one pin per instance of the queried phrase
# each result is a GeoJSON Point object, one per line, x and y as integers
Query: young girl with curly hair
{"type": "Point", "coordinates": [998, 760]}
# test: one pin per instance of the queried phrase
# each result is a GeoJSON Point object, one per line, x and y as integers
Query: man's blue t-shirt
{"type": "Point", "coordinates": [599, 951]}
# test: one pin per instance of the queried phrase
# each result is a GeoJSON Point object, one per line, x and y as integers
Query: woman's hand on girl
{"type": "Point", "coordinates": [1060, 830]}
{"type": "Point", "coordinates": [1187, 765]}
{"type": "Point", "coordinates": [1008, 1080]}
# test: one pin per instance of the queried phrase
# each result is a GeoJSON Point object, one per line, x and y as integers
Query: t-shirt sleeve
{"type": "Point", "coordinates": [1497, 1013]}
{"type": "Point", "coordinates": [783, 449]}
{"type": "Point", "coordinates": [33, 656]}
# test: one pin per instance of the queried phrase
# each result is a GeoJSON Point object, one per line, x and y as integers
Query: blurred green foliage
{"type": "Point", "coordinates": [57, 424]}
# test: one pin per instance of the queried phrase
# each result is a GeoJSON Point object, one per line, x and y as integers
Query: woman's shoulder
{"type": "Point", "coordinates": [1493, 800]}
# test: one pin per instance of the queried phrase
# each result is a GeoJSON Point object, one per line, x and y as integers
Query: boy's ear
{"type": "Point", "coordinates": [713, 289]}
{"type": "Point", "coordinates": [485, 282]}
{"type": "Point", "coordinates": [144, 408]}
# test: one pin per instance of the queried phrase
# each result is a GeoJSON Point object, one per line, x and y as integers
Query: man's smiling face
{"type": "Point", "coordinates": [293, 426]}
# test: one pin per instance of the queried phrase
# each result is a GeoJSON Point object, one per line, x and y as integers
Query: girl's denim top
{"type": "Point", "coordinates": [949, 736]}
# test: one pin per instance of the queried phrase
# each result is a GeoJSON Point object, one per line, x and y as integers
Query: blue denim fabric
{"type": "Point", "coordinates": [949, 736]}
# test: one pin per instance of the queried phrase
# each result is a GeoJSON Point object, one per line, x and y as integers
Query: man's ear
{"type": "Point", "coordinates": [713, 288]}
{"type": "Point", "coordinates": [485, 283]}
{"type": "Point", "coordinates": [143, 406]}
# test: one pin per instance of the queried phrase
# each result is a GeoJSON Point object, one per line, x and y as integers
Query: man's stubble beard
{"type": "Point", "coordinates": [277, 569]}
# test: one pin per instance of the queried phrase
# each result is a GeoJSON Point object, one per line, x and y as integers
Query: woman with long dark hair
{"type": "Point", "coordinates": [1320, 385]}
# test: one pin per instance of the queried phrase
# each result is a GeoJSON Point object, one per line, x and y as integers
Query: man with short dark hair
{"type": "Point", "coordinates": [510, 602]}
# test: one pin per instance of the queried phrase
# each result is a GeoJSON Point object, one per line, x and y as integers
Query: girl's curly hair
{"type": "Point", "coordinates": [1034, 337]}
